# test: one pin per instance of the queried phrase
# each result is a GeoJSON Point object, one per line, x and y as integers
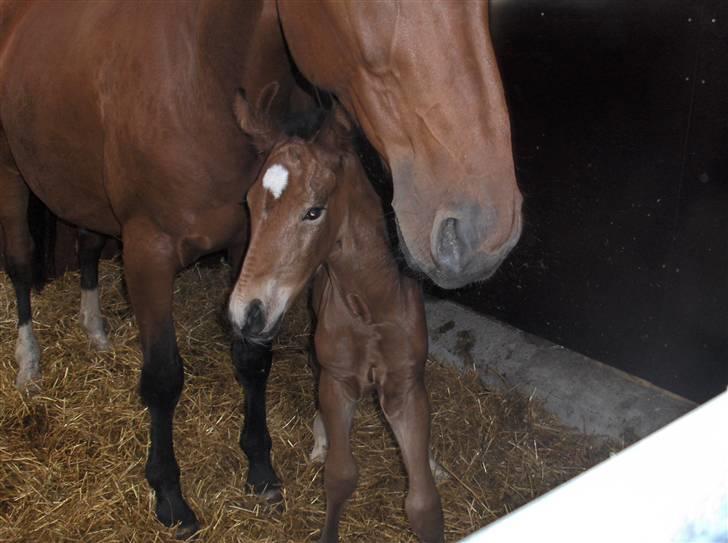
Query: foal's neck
{"type": "Point", "coordinates": [365, 265]}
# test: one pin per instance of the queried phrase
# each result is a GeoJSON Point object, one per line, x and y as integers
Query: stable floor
{"type": "Point", "coordinates": [72, 457]}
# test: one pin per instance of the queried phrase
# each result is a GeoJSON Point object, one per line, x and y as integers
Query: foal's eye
{"type": "Point", "coordinates": [314, 213]}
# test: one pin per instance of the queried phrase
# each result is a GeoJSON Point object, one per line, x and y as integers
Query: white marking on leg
{"type": "Point", "coordinates": [438, 472]}
{"type": "Point", "coordinates": [320, 441]}
{"type": "Point", "coordinates": [276, 180]}
{"type": "Point", "coordinates": [27, 355]}
{"type": "Point", "coordinates": [92, 319]}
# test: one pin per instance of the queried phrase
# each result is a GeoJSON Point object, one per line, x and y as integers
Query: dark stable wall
{"type": "Point", "coordinates": [619, 111]}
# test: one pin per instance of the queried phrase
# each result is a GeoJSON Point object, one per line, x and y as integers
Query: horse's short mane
{"type": "Point", "coordinates": [304, 125]}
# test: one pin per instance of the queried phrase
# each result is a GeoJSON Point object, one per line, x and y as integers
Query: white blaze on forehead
{"type": "Point", "coordinates": [276, 180]}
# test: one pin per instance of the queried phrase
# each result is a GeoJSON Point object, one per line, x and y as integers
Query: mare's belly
{"type": "Point", "coordinates": [50, 113]}
{"type": "Point", "coordinates": [67, 178]}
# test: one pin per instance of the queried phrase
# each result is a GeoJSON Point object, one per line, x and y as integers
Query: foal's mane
{"type": "Point", "coordinates": [304, 125]}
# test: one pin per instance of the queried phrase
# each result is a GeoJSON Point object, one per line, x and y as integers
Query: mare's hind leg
{"type": "Point", "coordinates": [150, 265]}
{"type": "Point", "coordinates": [252, 362]}
{"type": "Point", "coordinates": [18, 264]}
{"type": "Point", "coordinates": [340, 473]}
{"type": "Point", "coordinates": [404, 402]}
{"type": "Point", "coordinates": [90, 246]}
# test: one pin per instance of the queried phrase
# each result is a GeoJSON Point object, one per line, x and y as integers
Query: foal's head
{"type": "Point", "coordinates": [297, 206]}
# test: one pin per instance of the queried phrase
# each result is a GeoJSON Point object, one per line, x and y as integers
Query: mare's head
{"type": "Point", "coordinates": [297, 206]}
{"type": "Point", "coordinates": [421, 79]}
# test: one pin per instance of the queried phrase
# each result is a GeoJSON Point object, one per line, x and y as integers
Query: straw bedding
{"type": "Point", "coordinates": [72, 457]}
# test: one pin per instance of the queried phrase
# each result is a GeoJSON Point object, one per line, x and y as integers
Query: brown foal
{"type": "Point", "coordinates": [314, 214]}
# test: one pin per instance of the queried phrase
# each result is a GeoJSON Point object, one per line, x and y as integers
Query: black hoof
{"type": "Point", "coordinates": [271, 491]}
{"type": "Point", "coordinates": [173, 511]}
{"type": "Point", "coordinates": [185, 532]}
{"type": "Point", "coordinates": [264, 482]}
{"type": "Point", "coordinates": [274, 497]}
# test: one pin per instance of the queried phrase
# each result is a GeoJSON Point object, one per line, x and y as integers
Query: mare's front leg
{"type": "Point", "coordinates": [337, 403]}
{"type": "Point", "coordinates": [90, 246]}
{"type": "Point", "coordinates": [252, 362]}
{"type": "Point", "coordinates": [403, 398]}
{"type": "Point", "coordinates": [150, 265]}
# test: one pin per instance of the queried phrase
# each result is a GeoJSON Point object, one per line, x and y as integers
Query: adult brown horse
{"type": "Point", "coordinates": [118, 116]}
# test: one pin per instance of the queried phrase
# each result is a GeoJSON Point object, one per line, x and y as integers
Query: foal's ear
{"type": "Point", "coordinates": [254, 124]}
{"type": "Point", "coordinates": [266, 97]}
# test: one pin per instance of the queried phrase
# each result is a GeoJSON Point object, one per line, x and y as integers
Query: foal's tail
{"type": "Point", "coordinates": [42, 225]}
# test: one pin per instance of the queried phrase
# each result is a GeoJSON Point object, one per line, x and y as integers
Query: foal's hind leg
{"type": "Point", "coordinates": [340, 474]}
{"type": "Point", "coordinates": [150, 265]}
{"type": "Point", "coordinates": [252, 362]}
{"type": "Point", "coordinates": [321, 445]}
{"type": "Point", "coordinates": [90, 246]}
{"type": "Point", "coordinates": [18, 264]}
{"type": "Point", "coordinates": [404, 402]}
{"type": "Point", "coordinates": [320, 440]}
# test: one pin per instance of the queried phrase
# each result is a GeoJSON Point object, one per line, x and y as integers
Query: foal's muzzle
{"type": "Point", "coordinates": [253, 321]}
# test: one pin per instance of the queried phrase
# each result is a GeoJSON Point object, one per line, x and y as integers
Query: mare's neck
{"type": "Point", "coordinates": [241, 46]}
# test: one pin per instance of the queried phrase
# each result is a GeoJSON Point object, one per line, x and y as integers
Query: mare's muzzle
{"type": "Point", "coordinates": [468, 244]}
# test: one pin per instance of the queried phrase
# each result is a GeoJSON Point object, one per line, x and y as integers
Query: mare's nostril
{"type": "Point", "coordinates": [451, 250]}
{"type": "Point", "coordinates": [254, 319]}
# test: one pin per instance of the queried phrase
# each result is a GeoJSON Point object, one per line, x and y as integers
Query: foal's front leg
{"type": "Point", "coordinates": [340, 473]}
{"type": "Point", "coordinates": [252, 362]}
{"type": "Point", "coordinates": [405, 405]}
{"type": "Point", "coordinates": [149, 266]}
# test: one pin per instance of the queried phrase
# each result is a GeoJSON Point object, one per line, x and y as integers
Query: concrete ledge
{"type": "Point", "coordinates": [583, 393]}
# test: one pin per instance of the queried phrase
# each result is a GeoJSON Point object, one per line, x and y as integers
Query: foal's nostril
{"type": "Point", "coordinates": [451, 249]}
{"type": "Point", "coordinates": [254, 319]}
